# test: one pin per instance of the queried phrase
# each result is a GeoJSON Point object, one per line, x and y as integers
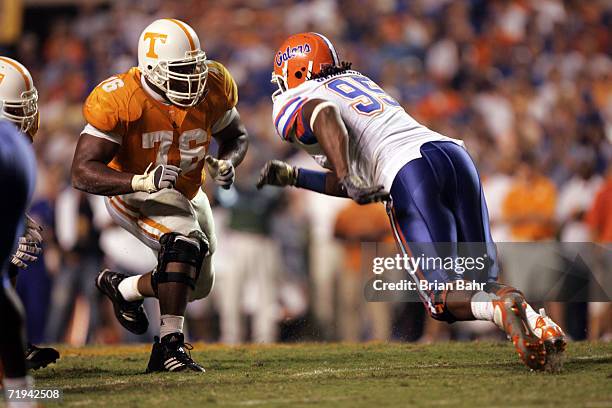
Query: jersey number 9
{"type": "Point", "coordinates": [369, 98]}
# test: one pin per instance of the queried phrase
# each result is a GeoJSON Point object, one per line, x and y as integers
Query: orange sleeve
{"type": "Point", "coordinates": [101, 111]}
{"type": "Point", "coordinates": [230, 88]}
{"type": "Point", "coordinates": [113, 104]}
{"type": "Point", "coordinates": [221, 82]}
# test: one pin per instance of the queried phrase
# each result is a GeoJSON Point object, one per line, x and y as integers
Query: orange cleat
{"type": "Point", "coordinates": [509, 314]}
{"type": "Point", "coordinates": [554, 341]}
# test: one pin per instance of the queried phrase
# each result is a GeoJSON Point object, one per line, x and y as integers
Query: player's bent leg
{"type": "Point", "coordinates": [170, 224]}
{"type": "Point", "coordinates": [420, 219]}
{"type": "Point", "coordinates": [129, 312]}
{"type": "Point", "coordinates": [179, 262]}
{"type": "Point", "coordinates": [428, 207]}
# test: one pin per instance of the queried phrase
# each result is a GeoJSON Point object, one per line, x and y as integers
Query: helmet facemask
{"type": "Point", "coordinates": [23, 112]}
{"type": "Point", "coordinates": [183, 81]}
{"type": "Point", "coordinates": [282, 82]}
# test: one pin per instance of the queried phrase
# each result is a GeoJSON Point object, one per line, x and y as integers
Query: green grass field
{"type": "Point", "coordinates": [351, 375]}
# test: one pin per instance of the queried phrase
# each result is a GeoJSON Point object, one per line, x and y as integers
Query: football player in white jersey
{"type": "Point", "coordinates": [19, 105]}
{"type": "Point", "coordinates": [375, 151]}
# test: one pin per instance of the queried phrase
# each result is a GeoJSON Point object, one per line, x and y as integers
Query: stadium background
{"type": "Point", "coordinates": [526, 85]}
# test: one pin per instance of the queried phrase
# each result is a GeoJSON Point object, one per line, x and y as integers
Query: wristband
{"type": "Point", "coordinates": [311, 180]}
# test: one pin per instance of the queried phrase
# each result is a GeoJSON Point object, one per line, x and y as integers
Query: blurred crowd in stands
{"type": "Point", "coordinates": [526, 84]}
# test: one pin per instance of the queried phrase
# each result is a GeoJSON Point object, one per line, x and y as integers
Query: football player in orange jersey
{"type": "Point", "coordinates": [144, 147]}
{"type": "Point", "coordinates": [19, 105]}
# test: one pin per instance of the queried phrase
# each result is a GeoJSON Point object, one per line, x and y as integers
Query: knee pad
{"type": "Point", "coordinates": [179, 248]}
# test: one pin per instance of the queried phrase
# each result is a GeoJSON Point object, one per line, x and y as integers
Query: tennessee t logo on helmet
{"type": "Point", "coordinates": [170, 59]}
{"type": "Point", "coordinates": [299, 57]}
{"type": "Point", "coordinates": [152, 37]}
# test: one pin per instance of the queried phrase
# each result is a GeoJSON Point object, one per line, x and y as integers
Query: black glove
{"type": "Point", "coordinates": [277, 173]}
{"type": "Point", "coordinates": [357, 189]}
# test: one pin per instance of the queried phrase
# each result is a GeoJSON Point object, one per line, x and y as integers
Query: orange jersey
{"type": "Point", "coordinates": [151, 132]}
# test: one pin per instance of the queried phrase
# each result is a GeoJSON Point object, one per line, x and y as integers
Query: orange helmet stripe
{"type": "Point", "coordinates": [18, 68]}
{"type": "Point", "coordinates": [182, 26]}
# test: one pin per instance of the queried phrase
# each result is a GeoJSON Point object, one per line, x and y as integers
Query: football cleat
{"type": "Point", "coordinates": [40, 357]}
{"type": "Point", "coordinates": [131, 315]}
{"type": "Point", "coordinates": [509, 314]}
{"type": "Point", "coordinates": [172, 354]}
{"type": "Point", "coordinates": [554, 341]}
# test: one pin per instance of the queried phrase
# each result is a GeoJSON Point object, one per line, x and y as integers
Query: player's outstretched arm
{"type": "Point", "coordinates": [233, 144]}
{"type": "Point", "coordinates": [331, 134]}
{"type": "Point", "coordinates": [90, 171]}
{"type": "Point", "coordinates": [279, 173]}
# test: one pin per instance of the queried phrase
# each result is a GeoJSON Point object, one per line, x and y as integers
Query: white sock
{"type": "Point", "coordinates": [170, 324]}
{"type": "Point", "coordinates": [482, 306]}
{"type": "Point", "coordinates": [129, 288]}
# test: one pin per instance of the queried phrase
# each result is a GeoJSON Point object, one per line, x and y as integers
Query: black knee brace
{"type": "Point", "coordinates": [179, 248]}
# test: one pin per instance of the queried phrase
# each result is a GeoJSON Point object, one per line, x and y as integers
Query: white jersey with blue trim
{"type": "Point", "coordinates": [383, 137]}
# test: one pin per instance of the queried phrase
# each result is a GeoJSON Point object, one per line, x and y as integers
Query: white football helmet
{"type": "Point", "coordinates": [18, 96]}
{"type": "Point", "coordinates": [169, 56]}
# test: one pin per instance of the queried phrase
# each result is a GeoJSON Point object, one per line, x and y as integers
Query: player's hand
{"type": "Point", "coordinates": [277, 173]}
{"type": "Point", "coordinates": [29, 246]}
{"type": "Point", "coordinates": [162, 176]}
{"type": "Point", "coordinates": [222, 171]}
{"type": "Point", "coordinates": [357, 189]}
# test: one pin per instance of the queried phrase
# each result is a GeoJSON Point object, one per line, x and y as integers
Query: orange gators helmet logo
{"type": "Point", "coordinates": [301, 56]}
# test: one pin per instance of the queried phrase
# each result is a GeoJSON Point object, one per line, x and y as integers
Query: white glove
{"type": "Point", "coordinates": [222, 171]}
{"type": "Point", "coordinates": [29, 246]}
{"type": "Point", "coordinates": [162, 176]}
